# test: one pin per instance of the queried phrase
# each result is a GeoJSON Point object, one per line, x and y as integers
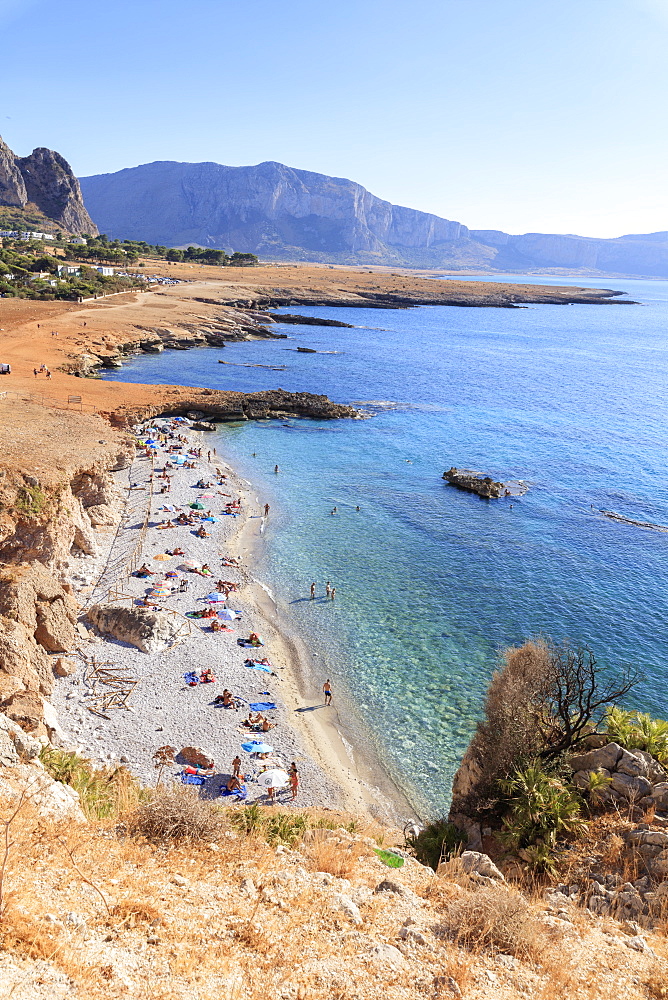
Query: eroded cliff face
{"type": "Point", "coordinates": [44, 179]}
{"type": "Point", "coordinates": [48, 538]}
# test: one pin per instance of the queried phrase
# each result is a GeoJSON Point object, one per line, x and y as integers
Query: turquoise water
{"type": "Point", "coordinates": [431, 582]}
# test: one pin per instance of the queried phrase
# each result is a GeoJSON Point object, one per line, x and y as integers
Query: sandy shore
{"type": "Point", "coordinates": [164, 710]}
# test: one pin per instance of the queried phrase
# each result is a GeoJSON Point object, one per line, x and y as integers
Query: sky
{"type": "Point", "coordinates": [519, 115]}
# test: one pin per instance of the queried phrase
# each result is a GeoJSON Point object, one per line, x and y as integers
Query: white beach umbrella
{"type": "Point", "coordinates": [228, 615]}
{"type": "Point", "coordinates": [273, 779]}
{"type": "Point", "coordinates": [191, 564]}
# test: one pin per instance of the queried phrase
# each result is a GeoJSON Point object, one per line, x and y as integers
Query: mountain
{"type": "Point", "coordinates": [281, 213]}
{"type": "Point", "coordinates": [41, 189]}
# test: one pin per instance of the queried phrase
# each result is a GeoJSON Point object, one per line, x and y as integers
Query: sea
{"type": "Point", "coordinates": [432, 584]}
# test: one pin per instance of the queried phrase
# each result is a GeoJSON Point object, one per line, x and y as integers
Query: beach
{"type": "Point", "coordinates": [163, 710]}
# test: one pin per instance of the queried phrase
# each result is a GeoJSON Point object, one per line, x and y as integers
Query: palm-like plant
{"type": "Point", "coordinates": [542, 809]}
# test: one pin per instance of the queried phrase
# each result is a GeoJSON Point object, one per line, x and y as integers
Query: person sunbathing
{"type": "Point", "coordinates": [209, 613]}
{"type": "Point", "coordinates": [267, 725]}
{"type": "Point", "coordinates": [217, 626]}
{"type": "Point", "coordinates": [202, 532]}
{"type": "Point", "coordinates": [234, 784]}
{"type": "Point", "coordinates": [252, 720]}
{"type": "Point", "coordinates": [206, 569]}
{"type": "Point", "coordinates": [220, 586]}
{"type": "Point", "coordinates": [254, 639]}
{"type": "Point", "coordinates": [178, 552]}
{"type": "Point", "coordinates": [229, 561]}
{"type": "Point", "coordinates": [165, 524]}
{"type": "Point", "coordinates": [207, 676]}
{"type": "Point", "coordinates": [145, 571]}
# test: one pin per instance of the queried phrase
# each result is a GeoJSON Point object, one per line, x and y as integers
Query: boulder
{"type": "Point", "coordinates": [655, 772]}
{"type": "Point", "coordinates": [150, 631]}
{"type": "Point", "coordinates": [605, 757]}
{"type": "Point", "coordinates": [64, 667]}
{"type": "Point", "coordinates": [203, 425]}
{"type": "Point", "coordinates": [387, 954]}
{"type": "Point", "coordinates": [581, 778]}
{"type": "Point", "coordinates": [27, 709]}
{"type": "Point", "coordinates": [56, 802]}
{"type": "Point", "coordinates": [195, 757]}
{"type": "Point", "coordinates": [630, 787]}
{"type": "Point", "coordinates": [15, 743]}
{"type": "Point", "coordinates": [633, 764]}
{"type": "Point", "coordinates": [101, 514]}
{"type": "Point", "coordinates": [660, 795]}
{"type": "Point", "coordinates": [474, 863]}
{"type": "Point", "coordinates": [654, 837]}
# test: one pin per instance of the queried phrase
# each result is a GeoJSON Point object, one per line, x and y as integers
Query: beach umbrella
{"type": "Point", "coordinates": [215, 598]}
{"type": "Point", "coordinates": [169, 507]}
{"type": "Point", "coordinates": [162, 557]}
{"type": "Point", "coordinates": [228, 615]}
{"type": "Point", "coordinates": [191, 564]}
{"type": "Point", "coordinates": [178, 460]}
{"type": "Point", "coordinates": [275, 778]}
{"type": "Point", "coordinates": [171, 574]}
{"type": "Point", "coordinates": [159, 592]}
{"type": "Point", "coordinates": [197, 506]}
{"type": "Point", "coordinates": [213, 520]}
{"type": "Point", "coordinates": [256, 746]}
{"type": "Point", "coordinates": [206, 496]}
{"type": "Point", "coordinates": [151, 441]}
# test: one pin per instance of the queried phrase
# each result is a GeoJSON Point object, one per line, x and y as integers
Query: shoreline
{"type": "Point", "coordinates": [164, 711]}
{"type": "Point", "coordinates": [366, 784]}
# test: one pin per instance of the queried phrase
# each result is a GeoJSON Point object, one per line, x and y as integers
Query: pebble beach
{"type": "Point", "coordinates": [163, 710]}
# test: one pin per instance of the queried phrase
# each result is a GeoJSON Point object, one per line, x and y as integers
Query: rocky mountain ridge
{"type": "Point", "coordinates": [281, 213]}
{"type": "Point", "coordinates": [44, 181]}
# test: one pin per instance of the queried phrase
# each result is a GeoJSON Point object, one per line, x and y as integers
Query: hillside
{"type": "Point", "coordinates": [281, 213]}
{"type": "Point", "coordinates": [40, 190]}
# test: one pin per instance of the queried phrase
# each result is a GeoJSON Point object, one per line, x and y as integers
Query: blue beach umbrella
{"type": "Point", "coordinates": [255, 747]}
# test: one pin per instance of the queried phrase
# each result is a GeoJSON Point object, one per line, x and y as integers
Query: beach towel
{"type": "Point", "coordinates": [252, 665]}
{"type": "Point", "coordinates": [262, 706]}
{"type": "Point", "coordinates": [192, 779]}
{"type": "Point", "coordinates": [241, 794]}
{"type": "Point", "coordinates": [191, 679]}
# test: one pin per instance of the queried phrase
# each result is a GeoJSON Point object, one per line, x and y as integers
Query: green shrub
{"type": "Point", "coordinates": [104, 793]}
{"type": "Point", "coordinates": [542, 809]}
{"type": "Point", "coordinates": [638, 731]}
{"type": "Point", "coordinates": [436, 843]}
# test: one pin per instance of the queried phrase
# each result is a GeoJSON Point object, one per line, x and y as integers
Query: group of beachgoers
{"type": "Point", "coordinates": [179, 454]}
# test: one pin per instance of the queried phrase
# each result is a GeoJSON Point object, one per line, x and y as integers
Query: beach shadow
{"type": "Point", "coordinates": [311, 708]}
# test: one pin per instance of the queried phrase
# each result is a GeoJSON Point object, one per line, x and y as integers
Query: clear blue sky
{"type": "Point", "coordinates": [522, 115]}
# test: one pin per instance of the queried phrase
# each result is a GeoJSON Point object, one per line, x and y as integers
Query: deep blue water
{"type": "Point", "coordinates": [431, 582]}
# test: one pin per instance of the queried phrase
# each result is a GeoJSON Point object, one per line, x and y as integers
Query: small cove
{"type": "Point", "coordinates": [432, 583]}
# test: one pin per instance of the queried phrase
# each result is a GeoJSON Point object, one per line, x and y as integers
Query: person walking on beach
{"type": "Point", "coordinates": [34, 371]}
{"type": "Point", "coordinates": [236, 766]}
{"type": "Point", "coordinates": [266, 510]}
{"type": "Point", "coordinates": [313, 591]}
{"type": "Point", "coordinates": [328, 589]}
{"type": "Point", "coordinates": [327, 691]}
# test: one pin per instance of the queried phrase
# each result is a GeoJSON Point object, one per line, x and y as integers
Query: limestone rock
{"type": "Point", "coordinates": [387, 954]}
{"type": "Point", "coordinates": [605, 757]}
{"type": "Point", "coordinates": [12, 186]}
{"type": "Point", "coordinates": [101, 514]}
{"type": "Point", "coordinates": [346, 906]}
{"type": "Point", "coordinates": [150, 631]}
{"type": "Point", "coordinates": [16, 743]}
{"type": "Point", "coordinates": [51, 185]}
{"type": "Point", "coordinates": [25, 708]}
{"type": "Point", "coordinates": [64, 667]}
{"type": "Point", "coordinates": [632, 764]}
{"type": "Point", "coordinates": [660, 795]}
{"type": "Point", "coordinates": [56, 802]}
{"type": "Point", "coordinates": [655, 772]}
{"type": "Point", "coordinates": [472, 862]}
{"type": "Point", "coordinates": [581, 778]}
{"type": "Point", "coordinates": [630, 787]}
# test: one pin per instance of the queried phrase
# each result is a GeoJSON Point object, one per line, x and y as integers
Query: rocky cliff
{"type": "Point", "coordinates": [45, 181]}
{"type": "Point", "coordinates": [281, 213]}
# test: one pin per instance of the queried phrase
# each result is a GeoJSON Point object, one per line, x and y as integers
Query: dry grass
{"type": "Point", "coordinates": [493, 919]}
{"type": "Point", "coordinates": [337, 857]}
{"type": "Point", "coordinates": [177, 814]}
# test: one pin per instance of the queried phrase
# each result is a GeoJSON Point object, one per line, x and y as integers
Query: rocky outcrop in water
{"type": "Point", "coordinates": [473, 482]}
{"type": "Point", "coordinates": [45, 180]}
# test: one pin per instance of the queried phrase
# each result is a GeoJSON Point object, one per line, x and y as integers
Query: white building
{"type": "Point", "coordinates": [107, 272]}
{"type": "Point", "coordinates": [65, 269]}
{"type": "Point", "coordinates": [23, 235]}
